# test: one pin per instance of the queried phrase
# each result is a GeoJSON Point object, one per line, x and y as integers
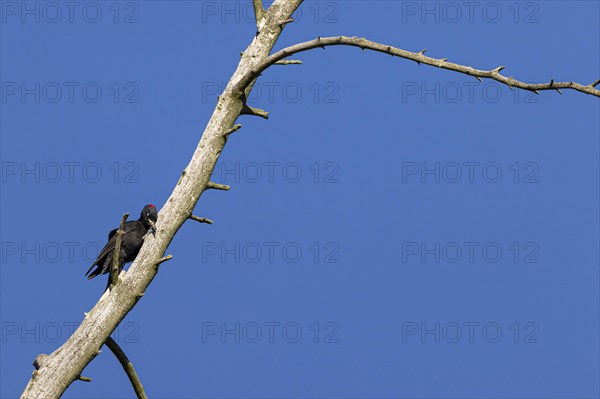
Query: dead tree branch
{"type": "Point", "coordinates": [214, 186]}
{"type": "Point", "coordinates": [127, 366]}
{"type": "Point", "coordinates": [201, 220]}
{"type": "Point", "coordinates": [259, 11]}
{"type": "Point", "coordinates": [65, 365]}
{"type": "Point", "coordinates": [161, 261]}
{"type": "Point", "coordinates": [419, 57]}
{"type": "Point", "coordinates": [247, 110]}
{"type": "Point", "coordinates": [288, 62]}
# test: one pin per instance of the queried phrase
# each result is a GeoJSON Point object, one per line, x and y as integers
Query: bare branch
{"type": "Point", "coordinates": [259, 11]}
{"type": "Point", "coordinates": [114, 271]}
{"type": "Point", "coordinates": [127, 366]}
{"type": "Point", "coordinates": [215, 186]}
{"type": "Point", "coordinates": [419, 57]}
{"type": "Point", "coordinates": [201, 220]}
{"type": "Point", "coordinates": [288, 62]}
{"type": "Point", "coordinates": [160, 262]}
{"type": "Point", "coordinates": [233, 130]}
{"type": "Point", "coordinates": [284, 23]}
{"type": "Point", "coordinates": [248, 110]}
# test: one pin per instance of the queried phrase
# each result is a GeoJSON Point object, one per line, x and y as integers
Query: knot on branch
{"type": "Point", "coordinates": [40, 361]}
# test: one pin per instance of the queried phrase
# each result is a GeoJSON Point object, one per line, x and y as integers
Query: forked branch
{"type": "Point", "coordinates": [420, 58]}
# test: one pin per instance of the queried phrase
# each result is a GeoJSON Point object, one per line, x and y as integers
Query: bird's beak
{"type": "Point", "coordinates": [152, 227]}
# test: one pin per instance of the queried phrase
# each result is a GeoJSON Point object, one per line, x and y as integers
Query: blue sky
{"type": "Point", "coordinates": [393, 230]}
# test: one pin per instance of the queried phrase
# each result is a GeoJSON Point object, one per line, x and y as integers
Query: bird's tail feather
{"type": "Point", "coordinates": [94, 273]}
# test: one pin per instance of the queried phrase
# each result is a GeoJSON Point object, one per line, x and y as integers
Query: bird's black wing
{"type": "Point", "coordinates": [108, 248]}
{"type": "Point", "coordinates": [112, 233]}
{"type": "Point", "coordinates": [132, 239]}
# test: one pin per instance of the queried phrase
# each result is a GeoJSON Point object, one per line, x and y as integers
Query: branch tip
{"type": "Point", "coordinates": [288, 62]}
{"type": "Point", "coordinates": [234, 129]}
{"type": "Point", "coordinates": [216, 186]}
{"type": "Point", "coordinates": [84, 379]}
{"type": "Point", "coordinates": [201, 220]}
{"type": "Point", "coordinates": [596, 83]}
{"type": "Point", "coordinates": [164, 259]}
{"type": "Point", "coordinates": [248, 110]}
